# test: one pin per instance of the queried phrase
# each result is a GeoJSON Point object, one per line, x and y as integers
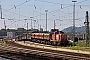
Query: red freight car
{"type": "Point", "coordinates": [55, 38]}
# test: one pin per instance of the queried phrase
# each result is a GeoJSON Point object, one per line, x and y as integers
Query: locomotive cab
{"type": "Point", "coordinates": [58, 37]}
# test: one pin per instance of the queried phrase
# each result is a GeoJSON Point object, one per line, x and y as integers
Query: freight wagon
{"type": "Point", "coordinates": [55, 37]}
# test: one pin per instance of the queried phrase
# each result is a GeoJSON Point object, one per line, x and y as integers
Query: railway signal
{"type": "Point", "coordinates": [87, 29]}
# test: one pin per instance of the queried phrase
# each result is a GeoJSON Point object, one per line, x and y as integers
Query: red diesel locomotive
{"type": "Point", "coordinates": [56, 37]}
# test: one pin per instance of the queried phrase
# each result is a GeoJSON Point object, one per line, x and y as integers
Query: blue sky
{"type": "Point", "coordinates": [59, 10]}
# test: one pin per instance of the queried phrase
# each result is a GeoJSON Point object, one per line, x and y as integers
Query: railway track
{"type": "Point", "coordinates": [27, 50]}
{"type": "Point", "coordinates": [15, 53]}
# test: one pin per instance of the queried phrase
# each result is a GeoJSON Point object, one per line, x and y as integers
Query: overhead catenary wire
{"type": "Point", "coordinates": [13, 21]}
{"type": "Point", "coordinates": [54, 11]}
{"type": "Point", "coordinates": [42, 1]}
{"type": "Point", "coordinates": [19, 4]}
{"type": "Point", "coordinates": [35, 11]}
{"type": "Point", "coordinates": [15, 6]}
{"type": "Point", "coordinates": [61, 4]}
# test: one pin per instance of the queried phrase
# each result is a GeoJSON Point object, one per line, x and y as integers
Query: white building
{"type": "Point", "coordinates": [10, 34]}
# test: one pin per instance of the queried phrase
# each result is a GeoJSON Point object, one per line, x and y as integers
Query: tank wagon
{"type": "Point", "coordinates": [55, 37]}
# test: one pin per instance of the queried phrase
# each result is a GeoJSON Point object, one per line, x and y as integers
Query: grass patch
{"type": "Point", "coordinates": [5, 41]}
{"type": "Point", "coordinates": [77, 48]}
{"type": "Point", "coordinates": [81, 45]}
{"type": "Point", "coordinates": [1, 42]}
